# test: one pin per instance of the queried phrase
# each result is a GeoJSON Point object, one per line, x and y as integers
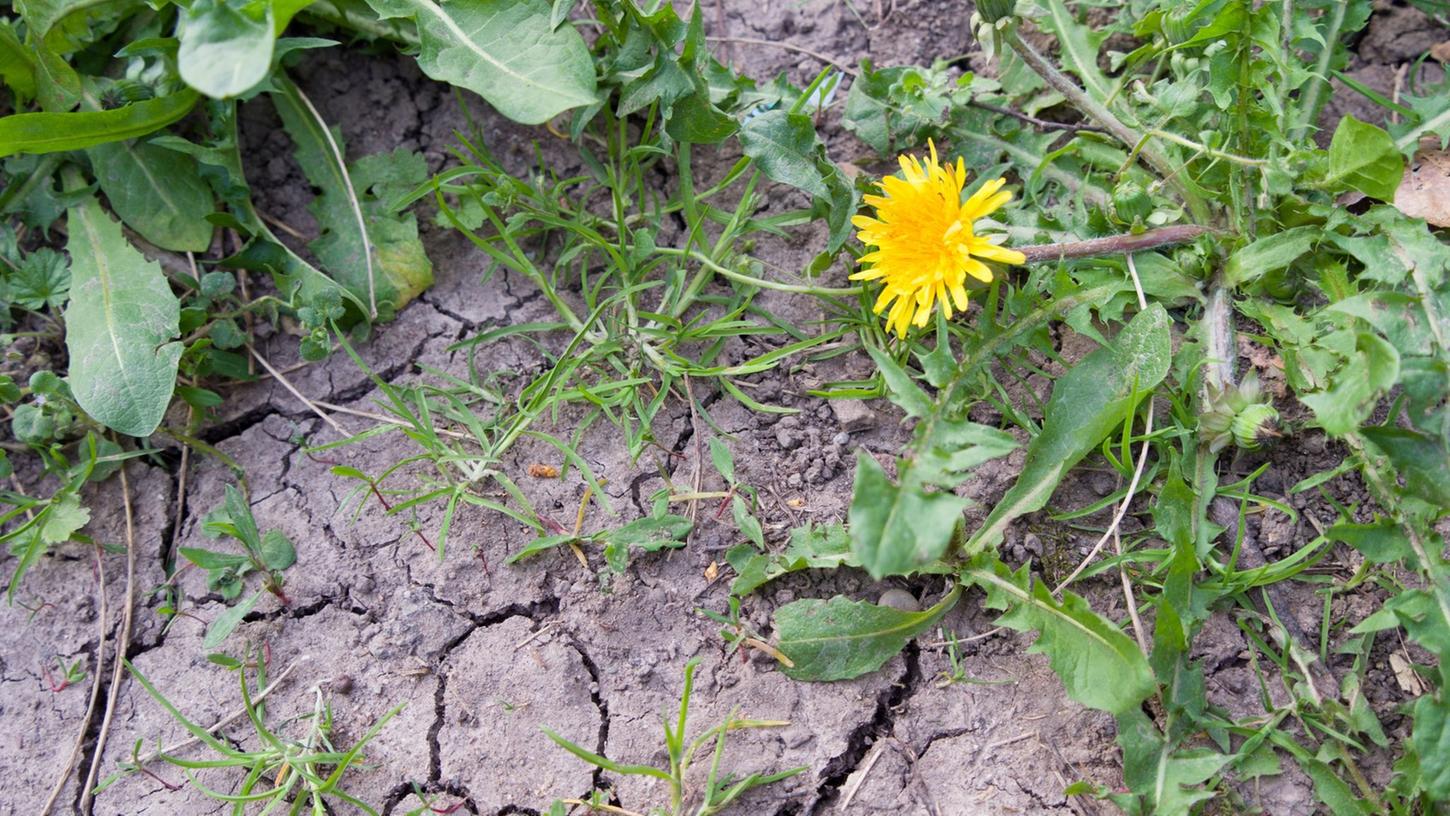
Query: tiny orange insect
{"type": "Point", "coordinates": [543, 471]}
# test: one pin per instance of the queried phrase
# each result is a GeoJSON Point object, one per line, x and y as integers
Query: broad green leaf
{"type": "Point", "coordinates": [841, 638]}
{"type": "Point", "coordinates": [745, 522]}
{"type": "Point", "coordinates": [1168, 780]}
{"type": "Point", "coordinates": [119, 327]}
{"type": "Point", "coordinates": [1363, 157]}
{"type": "Point", "coordinates": [1087, 404]}
{"type": "Point", "coordinates": [277, 550]}
{"type": "Point", "coordinates": [369, 248]}
{"type": "Point", "coordinates": [226, 46]}
{"type": "Point", "coordinates": [228, 621]}
{"type": "Point", "coordinates": [898, 529]}
{"type": "Point", "coordinates": [58, 132]}
{"type": "Point", "coordinates": [1270, 254]}
{"type": "Point", "coordinates": [157, 192]}
{"type": "Point", "coordinates": [65, 518]}
{"type": "Point", "coordinates": [694, 119]}
{"type": "Point", "coordinates": [1099, 666]}
{"type": "Point", "coordinates": [783, 146]}
{"type": "Point", "coordinates": [506, 51]}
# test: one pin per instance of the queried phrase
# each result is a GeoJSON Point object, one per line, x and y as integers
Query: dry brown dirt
{"type": "Point", "coordinates": [483, 654]}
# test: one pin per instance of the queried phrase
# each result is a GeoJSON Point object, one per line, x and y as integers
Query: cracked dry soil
{"type": "Point", "coordinates": [482, 654]}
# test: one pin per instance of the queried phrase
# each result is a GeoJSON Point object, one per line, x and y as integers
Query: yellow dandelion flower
{"type": "Point", "coordinates": [924, 242]}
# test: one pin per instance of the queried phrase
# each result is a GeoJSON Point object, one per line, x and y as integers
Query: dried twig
{"type": "Point", "coordinates": [75, 753]}
{"type": "Point", "coordinates": [292, 389]}
{"type": "Point", "coordinates": [840, 64]}
{"type": "Point", "coordinates": [122, 641]}
{"type": "Point", "coordinates": [1041, 124]}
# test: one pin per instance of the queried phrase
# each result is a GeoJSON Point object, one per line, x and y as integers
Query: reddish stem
{"type": "Point", "coordinates": [1115, 244]}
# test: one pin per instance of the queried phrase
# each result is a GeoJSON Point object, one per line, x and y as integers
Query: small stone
{"type": "Point", "coordinates": [841, 438]}
{"type": "Point", "coordinates": [794, 480]}
{"type": "Point", "coordinates": [853, 414]}
{"type": "Point", "coordinates": [1102, 483]}
{"type": "Point", "coordinates": [899, 599]}
{"type": "Point", "coordinates": [786, 438]}
{"type": "Point", "coordinates": [1031, 543]}
{"type": "Point", "coordinates": [341, 684]}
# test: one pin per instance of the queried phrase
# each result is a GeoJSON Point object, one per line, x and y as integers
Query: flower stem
{"type": "Point", "coordinates": [1115, 244]}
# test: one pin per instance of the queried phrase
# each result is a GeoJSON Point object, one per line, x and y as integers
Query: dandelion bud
{"type": "Point", "coordinates": [1131, 203]}
{"type": "Point", "coordinates": [1236, 415]}
{"type": "Point", "coordinates": [1254, 424]}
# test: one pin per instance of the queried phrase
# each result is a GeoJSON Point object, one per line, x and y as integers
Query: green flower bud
{"type": "Point", "coordinates": [1253, 424]}
{"type": "Point", "coordinates": [1131, 203]}
{"type": "Point", "coordinates": [1236, 415]}
{"type": "Point", "coordinates": [1178, 24]}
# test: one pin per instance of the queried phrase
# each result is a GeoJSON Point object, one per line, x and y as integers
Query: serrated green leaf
{"type": "Point", "coordinates": [365, 245]}
{"type": "Point", "coordinates": [1422, 461]}
{"type": "Point", "coordinates": [65, 518]}
{"type": "Point", "coordinates": [1431, 741]}
{"type": "Point", "coordinates": [120, 326]}
{"type": "Point", "coordinates": [41, 281]}
{"type": "Point", "coordinates": [841, 638]}
{"type": "Point", "coordinates": [1270, 254]}
{"type": "Point", "coordinates": [506, 51]}
{"type": "Point", "coordinates": [811, 546]}
{"type": "Point", "coordinates": [1087, 404]}
{"type": "Point", "coordinates": [1382, 542]}
{"type": "Point", "coordinates": [898, 529]}
{"type": "Point", "coordinates": [1167, 779]}
{"type": "Point", "coordinates": [1099, 666]}
{"type": "Point", "coordinates": [900, 388]}
{"type": "Point", "coordinates": [1372, 367]}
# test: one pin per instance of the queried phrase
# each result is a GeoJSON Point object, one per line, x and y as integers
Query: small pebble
{"type": "Point", "coordinates": [841, 438]}
{"type": "Point", "coordinates": [1031, 543]}
{"type": "Point", "coordinates": [899, 599]}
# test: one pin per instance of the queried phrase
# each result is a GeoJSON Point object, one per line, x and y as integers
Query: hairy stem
{"type": "Point", "coordinates": [1115, 244]}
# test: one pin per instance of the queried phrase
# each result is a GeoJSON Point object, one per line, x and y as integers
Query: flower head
{"type": "Point", "coordinates": [924, 242]}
